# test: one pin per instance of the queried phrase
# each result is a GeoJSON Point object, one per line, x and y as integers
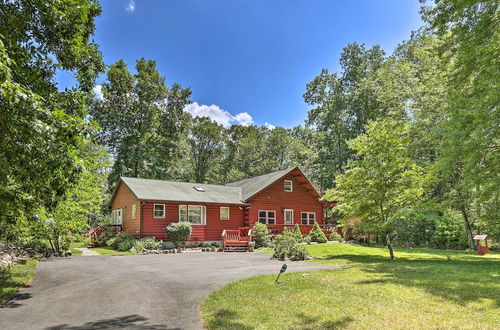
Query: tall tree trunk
{"type": "Point", "coordinates": [468, 228]}
{"type": "Point", "coordinates": [389, 246]}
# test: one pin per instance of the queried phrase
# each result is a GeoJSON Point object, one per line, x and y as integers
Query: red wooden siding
{"type": "Point", "coordinates": [275, 198]}
{"type": "Point", "coordinates": [124, 198]}
{"type": "Point", "coordinates": [212, 231]}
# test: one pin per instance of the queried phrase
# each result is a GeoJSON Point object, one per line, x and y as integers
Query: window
{"type": "Point", "coordinates": [288, 185]}
{"type": "Point", "coordinates": [224, 213]}
{"type": "Point", "coordinates": [267, 217]}
{"type": "Point", "coordinates": [116, 217]}
{"type": "Point", "coordinates": [196, 214]}
{"type": "Point", "coordinates": [308, 218]}
{"type": "Point", "coordinates": [182, 213]}
{"type": "Point", "coordinates": [159, 211]}
{"type": "Point", "coordinates": [133, 210]}
{"type": "Point", "coordinates": [288, 217]}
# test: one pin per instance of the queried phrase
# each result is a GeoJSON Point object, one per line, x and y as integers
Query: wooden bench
{"type": "Point", "coordinates": [237, 239]}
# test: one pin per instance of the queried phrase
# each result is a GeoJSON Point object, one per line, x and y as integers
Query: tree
{"type": "Point", "coordinates": [206, 141]}
{"type": "Point", "coordinates": [40, 127]}
{"type": "Point", "coordinates": [344, 103]}
{"type": "Point", "coordinates": [469, 156]}
{"type": "Point", "coordinates": [142, 121]}
{"type": "Point", "coordinates": [381, 181]}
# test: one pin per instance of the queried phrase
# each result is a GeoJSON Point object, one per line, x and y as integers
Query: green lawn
{"type": "Point", "coordinates": [421, 289]}
{"type": "Point", "coordinates": [75, 252]}
{"type": "Point", "coordinates": [19, 276]}
{"type": "Point", "coordinates": [111, 251]}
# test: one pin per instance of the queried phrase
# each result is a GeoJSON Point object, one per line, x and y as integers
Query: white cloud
{"type": "Point", "coordinates": [131, 6]}
{"type": "Point", "coordinates": [98, 92]}
{"type": "Point", "coordinates": [269, 126]}
{"type": "Point", "coordinates": [218, 115]}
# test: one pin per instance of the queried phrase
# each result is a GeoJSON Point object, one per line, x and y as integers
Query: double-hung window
{"type": "Point", "coordinates": [267, 217]}
{"type": "Point", "coordinates": [288, 214]}
{"type": "Point", "coordinates": [159, 211]}
{"type": "Point", "coordinates": [308, 218]}
{"type": "Point", "coordinates": [288, 185]}
{"type": "Point", "coordinates": [195, 214]}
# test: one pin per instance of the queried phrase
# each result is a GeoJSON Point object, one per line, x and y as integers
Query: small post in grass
{"type": "Point", "coordinates": [282, 270]}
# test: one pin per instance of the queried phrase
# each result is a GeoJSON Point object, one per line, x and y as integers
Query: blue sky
{"type": "Point", "coordinates": [247, 61]}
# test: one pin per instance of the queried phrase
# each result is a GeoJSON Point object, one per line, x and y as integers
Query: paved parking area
{"type": "Point", "coordinates": [139, 292]}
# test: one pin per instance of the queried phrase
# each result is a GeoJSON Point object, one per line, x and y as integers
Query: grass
{"type": "Point", "coordinates": [109, 250]}
{"type": "Point", "coordinates": [420, 289]}
{"type": "Point", "coordinates": [17, 278]}
{"type": "Point", "coordinates": [75, 252]}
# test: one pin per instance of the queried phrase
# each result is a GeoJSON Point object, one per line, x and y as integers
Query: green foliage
{"type": "Point", "coordinates": [138, 246]}
{"type": "Point", "coordinates": [334, 236]}
{"type": "Point", "coordinates": [117, 240]}
{"type": "Point", "coordinates": [317, 235]}
{"type": "Point", "coordinates": [283, 243]}
{"type": "Point", "coordinates": [150, 243]}
{"type": "Point", "coordinates": [38, 158]}
{"type": "Point", "coordinates": [381, 180]}
{"type": "Point", "coordinates": [298, 252]}
{"type": "Point", "coordinates": [178, 232]}
{"type": "Point", "coordinates": [343, 103]}
{"type": "Point", "coordinates": [142, 121]}
{"type": "Point", "coordinates": [260, 235]}
{"type": "Point", "coordinates": [125, 243]}
{"type": "Point", "coordinates": [297, 233]}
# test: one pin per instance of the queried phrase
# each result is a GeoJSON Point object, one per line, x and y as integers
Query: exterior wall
{"type": "Point", "coordinates": [124, 198]}
{"type": "Point", "coordinates": [212, 231]}
{"type": "Point", "coordinates": [275, 198]}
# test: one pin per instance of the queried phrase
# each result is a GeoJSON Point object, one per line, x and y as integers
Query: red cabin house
{"type": "Point", "coordinates": [144, 207]}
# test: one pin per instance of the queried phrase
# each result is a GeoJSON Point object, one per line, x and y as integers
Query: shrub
{"type": "Point", "coordinates": [121, 242]}
{"type": "Point", "coordinates": [178, 232]}
{"type": "Point", "coordinates": [139, 245]}
{"type": "Point", "coordinates": [150, 243]}
{"type": "Point", "coordinates": [260, 235]}
{"type": "Point", "coordinates": [125, 244]}
{"type": "Point", "coordinates": [283, 244]}
{"type": "Point", "coordinates": [317, 235]}
{"type": "Point", "coordinates": [298, 252]}
{"type": "Point", "coordinates": [297, 233]}
{"type": "Point", "coordinates": [286, 246]}
{"type": "Point", "coordinates": [108, 232]}
{"type": "Point", "coordinates": [334, 236]}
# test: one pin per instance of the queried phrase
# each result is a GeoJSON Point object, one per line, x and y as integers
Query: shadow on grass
{"type": "Point", "coordinates": [226, 319]}
{"type": "Point", "coordinates": [309, 322]}
{"type": "Point", "coordinates": [128, 321]}
{"type": "Point", "coordinates": [458, 280]}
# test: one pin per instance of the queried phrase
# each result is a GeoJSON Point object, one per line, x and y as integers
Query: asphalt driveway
{"type": "Point", "coordinates": [139, 292]}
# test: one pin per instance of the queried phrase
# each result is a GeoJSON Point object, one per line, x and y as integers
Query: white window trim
{"type": "Point", "coordinates": [291, 185]}
{"type": "Point", "coordinates": [203, 215]}
{"type": "Point", "coordinates": [133, 211]}
{"type": "Point", "coordinates": [308, 213]}
{"type": "Point", "coordinates": [284, 216]}
{"type": "Point", "coordinates": [154, 211]}
{"type": "Point", "coordinates": [267, 216]}
{"type": "Point", "coordinates": [186, 208]}
{"type": "Point", "coordinates": [228, 213]}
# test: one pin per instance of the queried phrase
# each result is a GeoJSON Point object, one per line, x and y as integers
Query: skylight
{"type": "Point", "coordinates": [199, 189]}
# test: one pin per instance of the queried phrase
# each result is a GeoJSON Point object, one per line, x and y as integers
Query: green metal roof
{"type": "Point", "coordinates": [251, 186]}
{"type": "Point", "coordinates": [147, 189]}
{"type": "Point", "coordinates": [232, 193]}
